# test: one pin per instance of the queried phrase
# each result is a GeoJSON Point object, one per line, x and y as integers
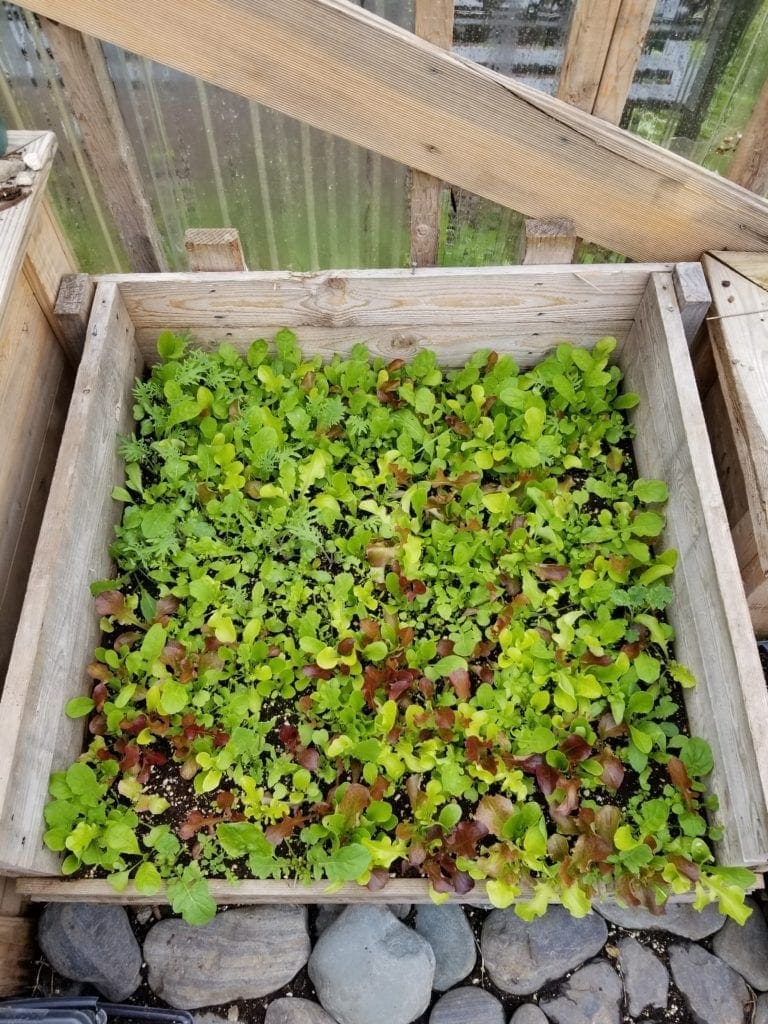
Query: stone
{"type": "Point", "coordinates": [327, 914]}
{"type": "Point", "coordinates": [592, 995]}
{"type": "Point", "coordinates": [10, 168]}
{"type": "Point", "coordinates": [713, 991]}
{"type": "Point", "coordinates": [467, 1005]}
{"type": "Point", "coordinates": [447, 931]}
{"type": "Point", "coordinates": [33, 161]}
{"type": "Point", "coordinates": [240, 954]}
{"type": "Point", "coordinates": [400, 910]}
{"type": "Point", "coordinates": [296, 1011]}
{"type": "Point", "coordinates": [745, 947]}
{"type": "Point", "coordinates": [761, 1010]}
{"type": "Point", "coordinates": [528, 1014]}
{"type": "Point", "coordinates": [92, 942]}
{"type": "Point", "coordinates": [368, 968]}
{"type": "Point", "coordinates": [646, 982]}
{"type": "Point", "coordinates": [520, 956]}
{"type": "Point", "coordinates": [208, 1018]}
{"type": "Point", "coordinates": [678, 919]}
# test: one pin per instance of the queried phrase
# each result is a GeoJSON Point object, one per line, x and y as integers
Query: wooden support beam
{"type": "Point", "coordinates": [586, 51]}
{"type": "Point", "coordinates": [549, 241]}
{"type": "Point", "coordinates": [342, 69]}
{"type": "Point", "coordinates": [72, 310]}
{"type": "Point", "coordinates": [91, 99]}
{"type": "Point", "coordinates": [749, 166]}
{"type": "Point", "coordinates": [433, 22]}
{"type": "Point", "coordinates": [624, 52]}
{"type": "Point", "coordinates": [17, 954]}
{"type": "Point", "coordinates": [693, 298]}
{"type": "Point", "coordinates": [214, 249]}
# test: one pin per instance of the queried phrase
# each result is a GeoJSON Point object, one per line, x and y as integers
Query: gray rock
{"type": "Point", "coordinates": [296, 1011]}
{"type": "Point", "coordinates": [92, 942]}
{"type": "Point", "coordinates": [520, 957]}
{"type": "Point", "coordinates": [467, 1006]}
{"type": "Point", "coordinates": [528, 1014]}
{"type": "Point", "coordinates": [400, 910]}
{"type": "Point", "coordinates": [646, 981]}
{"type": "Point", "coordinates": [745, 947]}
{"type": "Point", "coordinates": [240, 954]}
{"type": "Point", "coordinates": [368, 968]}
{"type": "Point", "coordinates": [447, 931]}
{"type": "Point", "coordinates": [761, 1010]}
{"type": "Point", "coordinates": [327, 914]}
{"type": "Point", "coordinates": [592, 995]}
{"type": "Point", "coordinates": [678, 918]}
{"type": "Point", "coordinates": [714, 992]}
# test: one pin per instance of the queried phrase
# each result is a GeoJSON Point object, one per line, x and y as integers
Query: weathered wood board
{"type": "Point", "coordinates": [519, 310]}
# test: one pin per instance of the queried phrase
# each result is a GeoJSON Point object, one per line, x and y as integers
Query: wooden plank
{"type": "Point", "coordinates": [749, 166]}
{"type": "Point", "coordinates": [91, 99]}
{"type": "Point", "coordinates": [48, 258]}
{"type": "Point", "coordinates": [624, 52]}
{"type": "Point", "coordinates": [214, 249]}
{"type": "Point", "coordinates": [72, 311]}
{"type": "Point", "coordinates": [549, 241]}
{"type": "Point", "coordinates": [17, 222]}
{"type": "Point", "coordinates": [58, 625]}
{"type": "Point", "coordinates": [18, 951]}
{"type": "Point", "coordinates": [342, 69]}
{"type": "Point", "coordinates": [709, 614]}
{"type": "Point", "coordinates": [693, 297]}
{"type": "Point", "coordinates": [752, 265]}
{"type": "Point", "coordinates": [586, 51]}
{"type": "Point", "coordinates": [11, 902]}
{"type": "Point", "coordinates": [433, 21]}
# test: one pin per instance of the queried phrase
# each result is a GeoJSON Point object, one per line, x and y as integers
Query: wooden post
{"type": "Point", "coordinates": [434, 22]}
{"type": "Point", "coordinates": [627, 42]}
{"type": "Point", "coordinates": [693, 298]}
{"type": "Point", "coordinates": [92, 101]}
{"type": "Point", "coordinates": [586, 51]}
{"type": "Point", "coordinates": [214, 249]}
{"type": "Point", "coordinates": [72, 310]}
{"type": "Point", "coordinates": [549, 241]}
{"type": "Point", "coordinates": [749, 166]}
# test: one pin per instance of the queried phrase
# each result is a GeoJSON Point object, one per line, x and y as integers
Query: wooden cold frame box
{"type": "Point", "coordinates": [520, 310]}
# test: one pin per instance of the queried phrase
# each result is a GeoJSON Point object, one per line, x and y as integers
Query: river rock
{"type": "Point", "coordinates": [368, 968]}
{"type": "Point", "coordinates": [646, 981]}
{"type": "Point", "coordinates": [713, 991]}
{"type": "Point", "coordinates": [528, 1013]}
{"type": "Point", "coordinates": [745, 947]}
{"type": "Point", "coordinates": [522, 956]}
{"type": "Point", "coordinates": [92, 942]}
{"type": "Point", "coordinates": [328, 912]}
{"type": "Point", "coordinates": [447, 931]}
{"type": "Point", "coordinates": [467, 1005]}
{"type": "Point", "coordinates": [592, 995]}
{"type": "Point", "coordinates": [761, 1010]}
{"type": "Point", "coordinates": [678, 918]}
{"type": "Point", "coordinates": [296, 1011]}
{"type": "Point", "coordinates": [240, 954]}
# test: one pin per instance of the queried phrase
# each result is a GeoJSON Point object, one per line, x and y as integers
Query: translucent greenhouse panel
{"type": "Point", "coordinates": [31, 97]}
{"type": "Point", "coordinates": [526, 40]}
{"type": "Point", "coordinates": [699, 75]}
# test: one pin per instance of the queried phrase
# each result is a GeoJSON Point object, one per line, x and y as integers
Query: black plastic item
{"type": "Point", "coordinates": [84, 1010]}
{"type": "Point", "coordinates": [124, 1011]}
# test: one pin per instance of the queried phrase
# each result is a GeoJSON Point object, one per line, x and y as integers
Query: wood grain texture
{"type": "Point", "coordinates": [433, 21]}
{"type": "Point", "coordinates": [586, 51]}
{"type": "Point", "coordinates": [91, 99]}
{"type": "Point", "coordinates": [17, 223]}
{"type": "Point", "coordinates": [729, 707]}
{"type": "Point", "coordinates": [214, 249]}
{"type": "Point", "coordinates": [627, 41]}
{"type": "Point", "coordinates": [72, 312]}
{"type": "Point", "coordinates": [549, 241]}
{"type": "Point", "coordinates": [48, 258]}
{"type": "Point", "coordinates": [344, 70]}
{"type": "Point", "coordinates": [752, 265]}
{"type": "Point", "coordinates": [18, 952]}
{"type": "Point", "coordinates": [58, 627]}
{"type": "Point", "coordinates": [739, 333]}
{"type": "Point", "coordinates": [693, 298]}
{"type": "Point", "coordinates": [749, 166]}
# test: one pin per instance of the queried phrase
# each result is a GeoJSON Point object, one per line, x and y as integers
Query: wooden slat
{"type": "Point", "coordinates": [342, 69]}
{"type": "Point", "coordinates": [693, 297]}
{"type": "Point", "coordinates": [749, 166]}
{"type": "Point", "coordinates": [729, 707]}
{"type": "Point", "coordinates": [214, 249]}
{"type": "Point", "coordinates": [91, 99]}
{"type": "Point", "coordinates": [72, 311]}
{"type": "Point", "coordinates": [549, 241]}
{"type": "Point", "coordinates": [18, 952]}
{"type": "Point", "coordinates": [624, 52]}
{"type": "Point", "coordinates": [48, 258]}
{"type": "Point", "coordinates": [752, 265]}
{"type": "Point", "coordinates": [433, 21]}
{"type": "Point", "coordinates": [17, 223]}
{"type": "Point", "coordinates": [586, 51]}
{"type": "Point", "coordinates": [58, 626]}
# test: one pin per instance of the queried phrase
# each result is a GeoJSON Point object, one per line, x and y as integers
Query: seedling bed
{"type": "Point", "coordinates": [395, 313]}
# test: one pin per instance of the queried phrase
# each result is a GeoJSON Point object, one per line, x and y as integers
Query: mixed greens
{"type": "Point", "coordinates": [379, 619]}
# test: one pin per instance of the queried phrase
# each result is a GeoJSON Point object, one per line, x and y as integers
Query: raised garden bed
{"type": "Point", "coordinates": [394, 313]}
